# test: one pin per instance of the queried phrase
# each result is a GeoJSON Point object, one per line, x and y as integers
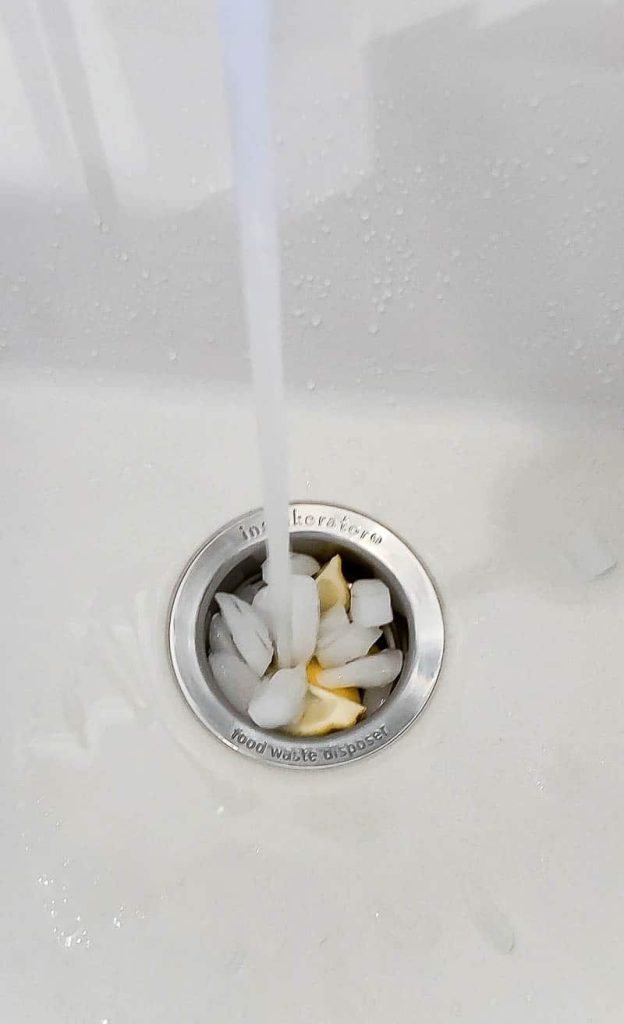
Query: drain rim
{"type": "Point", "coordinates": [372, 541]}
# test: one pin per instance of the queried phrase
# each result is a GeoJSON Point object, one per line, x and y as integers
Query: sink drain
{"type": "Point", "coordinates": [234, 556]}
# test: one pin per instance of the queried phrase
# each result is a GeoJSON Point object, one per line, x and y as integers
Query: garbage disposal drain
{"type": "Point", "coordinates": [234, 556]}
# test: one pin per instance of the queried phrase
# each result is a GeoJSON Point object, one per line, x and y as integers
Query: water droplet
{"type": "Point", "coordinates": [581, 159]}
{"type": "Point", "coordinates": [311, 385]}
{"type": "Point", "coordinates": [145, 274]}
{"type": "Point", "coordinates": [399, 211]}
{"type": "Point", "coordinates": [173, 356]}
{"type": "Point", "coordinates": [316, 321]}
{"type": "Point", "coordinates": [373, 328]}
{"type": "Point", "coordinates": [365, 215]}
{"type": "Point", "coordinates": [534, 102]}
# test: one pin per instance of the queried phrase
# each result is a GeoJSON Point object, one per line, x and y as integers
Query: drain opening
{"type": "Point", "coordinates": [233, 558]}
{"type": "Point", "coordinates": [354, 566]}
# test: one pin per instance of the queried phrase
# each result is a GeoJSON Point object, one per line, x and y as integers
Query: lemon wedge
{"type": "Point", "coordinates": [332, 586]}
{"type": "Point", "coordinates": [324, 711]}
{"type": "Point", "coordinates": [348, 692]}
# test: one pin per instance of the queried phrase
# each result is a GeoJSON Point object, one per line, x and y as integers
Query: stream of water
{"type": "Point", "coordinates": [245, 31]}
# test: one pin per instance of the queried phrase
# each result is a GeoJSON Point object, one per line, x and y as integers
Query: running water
{"type": "Point", "coordinates": [245, 30]}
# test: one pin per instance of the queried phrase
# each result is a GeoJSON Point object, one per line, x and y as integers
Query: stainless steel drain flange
{"type": "Point", "coordinates": [234, 555]}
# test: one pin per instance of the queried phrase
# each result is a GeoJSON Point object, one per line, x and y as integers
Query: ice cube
{"type": "Point", "coordinates": [219, 636]}
{"type": "Point", "coordinates": [249, 631]}
{"type": "Point", "coordinates": [262, 606]}
{"type": "Point", "coordinates": [332, 622]}
{"type": "Point", "coordinates": [374, 670]}
{"type": "Point", "coordinates": [280, 699]}
{"type": "Point", "coordinates": [235, 679]}
{"type": "Point", "coordinates": [370, 603]}
{"type": "Point", "coordinates": [352, 641]}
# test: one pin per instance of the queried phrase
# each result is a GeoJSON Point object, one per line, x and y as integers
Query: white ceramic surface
{"type": "Point", "coordinates": [452, 226]}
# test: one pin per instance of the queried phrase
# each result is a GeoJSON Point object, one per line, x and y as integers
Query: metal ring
{"type": "Point", "coordinates": [233, 555]}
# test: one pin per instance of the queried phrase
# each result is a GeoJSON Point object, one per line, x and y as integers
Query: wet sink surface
{"type": "Point", "coordinates": [452, 221]}
{"type": "Point", "coordinates": [153, 872]}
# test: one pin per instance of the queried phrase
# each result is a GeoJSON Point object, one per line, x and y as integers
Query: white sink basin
{"type": "Point", "coordinates": [472, 871]}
